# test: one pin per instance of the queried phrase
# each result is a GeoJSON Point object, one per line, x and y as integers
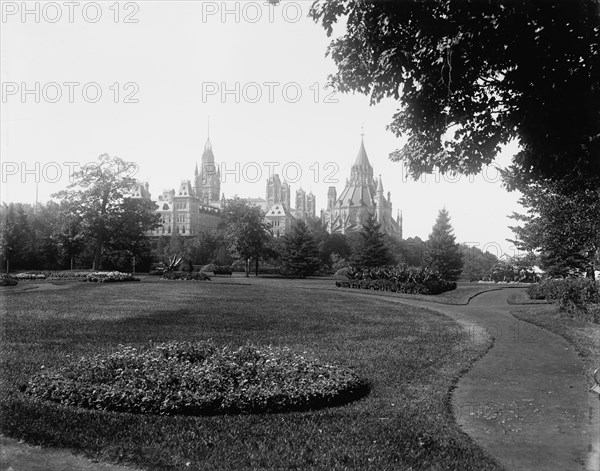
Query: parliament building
{"type": "Point", "coordinates": [195, 208]}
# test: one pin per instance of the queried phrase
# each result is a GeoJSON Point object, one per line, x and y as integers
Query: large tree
{"type": "Point", "coordinates": [562, 223]}
{"type": "Point", "coordinates": [442, 253]}
{"type": "Point", "coordinates": [246, 232]}
{"type": "Point", "coordinates": [370, 248]}
{"type": "Point", "coordinates": [110, 219]}
{"type": "Point", "coordinates": [473, 75]}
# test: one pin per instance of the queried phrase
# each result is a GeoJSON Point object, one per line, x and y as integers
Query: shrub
{"type": "Point", "coordinates": [401, 279]}
{"type": "Point", "coordinates": [197, 378]}
{"type": "Point", "coordinates": [7, 280]}
{"type": "Point", "coordinates": [185, 276]}
{"type": "Point", "coordinates": [573, 295]}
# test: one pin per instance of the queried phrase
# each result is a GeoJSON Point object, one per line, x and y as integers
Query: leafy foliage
{"type": "Point", "coordinates": [520, 269]}
{"type": "Point", "coordinates": [471, 76]}
{"type": "Point", "coordinates": [563, 224]}
{"type": "Point", "coordinates": [402, 279]}
{"type": "Point", "coordinates": [246, 232]}
{"type": "Point", "coordinates": [198, 378]}
{"type": "Point", "coordinates": [476, 263]}
{"type": "Point", "coordinates": [442, 253]}
{"type": "Point", "coordinates": [578, 296]}
{"type": "Point", "coordinates": [8, 280]}
{"type": "Point", "coordinates": [109, 218]}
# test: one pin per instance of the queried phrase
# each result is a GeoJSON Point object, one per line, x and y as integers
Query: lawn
{"type": "Point", "coordinates": [585, 336]}
{"type": "Point", "coordinates": [404, 423]}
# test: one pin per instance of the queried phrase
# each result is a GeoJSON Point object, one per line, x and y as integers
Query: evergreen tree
{"type": "Point", "coordinates": [371, 249]}
{"type": "Point", "coordinates": [442, 253]}
{"type": "Point", "coordinates": [300, 251]}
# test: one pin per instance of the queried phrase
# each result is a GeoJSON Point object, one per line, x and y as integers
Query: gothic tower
{"type": "Point", "coordinates": [208, 181]}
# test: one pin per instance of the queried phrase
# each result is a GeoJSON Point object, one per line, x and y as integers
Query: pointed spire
{"type": "Point", "coordinates": [380, 185]}
{"type": "Point", "coordinates": [196, 171]}
{"type": "Point", "coordinates": [207, 155]}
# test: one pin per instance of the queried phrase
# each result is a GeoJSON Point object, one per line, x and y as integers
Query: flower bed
{"type": "Point", "coordinates": [397, 279]}
{"type": "Point", "coordinates": [7, 280]}
{"type": "Point", "coordinates": [198, 378]}
{"type": "Point", "coordinates": [30, 276]}
{"type": "Point", "coordinates": [100, 276]}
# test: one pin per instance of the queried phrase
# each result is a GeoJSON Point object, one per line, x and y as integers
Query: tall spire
{"type": "Point", "coordinates": [207, 155]}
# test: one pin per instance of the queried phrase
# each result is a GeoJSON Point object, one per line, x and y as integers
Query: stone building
{"type": "Point", "coordinates": [362, 195]}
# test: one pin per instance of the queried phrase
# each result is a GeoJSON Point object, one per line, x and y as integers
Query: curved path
{"type": "Point", "coordinates": [525, 401]}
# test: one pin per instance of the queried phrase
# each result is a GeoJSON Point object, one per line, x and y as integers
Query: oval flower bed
{"type": "Point", "coordinates": [198, 378]}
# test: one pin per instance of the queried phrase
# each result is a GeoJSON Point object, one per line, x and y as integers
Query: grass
{"type": "Point", "coordinates": [584, 336]}
{"type": "Point", "coordinates": [404, 423]}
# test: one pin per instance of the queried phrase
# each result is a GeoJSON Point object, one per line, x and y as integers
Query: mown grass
{"type": "Point", "coordinates": [404, 423]}
{"type": "Point", "coordinates": [584, 336]}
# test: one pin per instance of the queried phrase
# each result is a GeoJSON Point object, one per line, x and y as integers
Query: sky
{"type": "Point", "coordinates": [139, 80]}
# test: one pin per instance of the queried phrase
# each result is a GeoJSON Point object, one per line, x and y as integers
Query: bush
{"type": "Point", "coordinates": [579, 296]}
{"type": "Point", "coordinates": [7, 280]}
{"type": "Point", "coordinates": [197, 378]}
{"type": "Point", "coordinates": [401, 279]}
{"type": "Point", "coordinates": [185, 276]}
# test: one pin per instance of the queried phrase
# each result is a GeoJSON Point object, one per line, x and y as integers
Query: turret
{"type": "Point", "coordinates": [379, 201]}
{"type": "Point", "coordinates": [331, 197]}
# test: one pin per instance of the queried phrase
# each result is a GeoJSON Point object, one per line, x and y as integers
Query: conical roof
{"type": "Point", "coordinates": [361, 158]}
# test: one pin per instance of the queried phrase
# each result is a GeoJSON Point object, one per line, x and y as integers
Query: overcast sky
{"type": "Point", "coordinates": [139, 80]}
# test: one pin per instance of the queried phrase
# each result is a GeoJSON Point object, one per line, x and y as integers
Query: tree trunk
{"type": "Point", "coordinates": [247, 267]}
{"type": "Point", "coordinates": [98, 253]}
{"type": "Point", "coordinates": [72, 262]}
{"type": "Point", "coordinates": [7, 266]}
{"type": "Point", "coordinates": [256, 267]}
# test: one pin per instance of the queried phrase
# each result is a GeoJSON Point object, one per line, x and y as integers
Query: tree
{"type": "Point", "coordinates": [371, 249]}
{"type": "Point", "coordinates": [471, 76]}
{"type": "Point", "coordinates": [442, 253]}
{"type": "Point", "coordinates": [562, 224]}
{"type": "Point", "coordinates": [477, 264]}
{"type": "Point", "coordinates": [246, 231]}
{"type": "Point", "coordinates": [300, 254]}
{"type": "Point", "coordinates": [14, 237]}
{"type": "Point", "coordinates": [110, 220]}
{"type": "Point", "coordinates": [68, 235]}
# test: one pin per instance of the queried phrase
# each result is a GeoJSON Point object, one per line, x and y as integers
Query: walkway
{"type": "Point", "coordinates": [525, 401]}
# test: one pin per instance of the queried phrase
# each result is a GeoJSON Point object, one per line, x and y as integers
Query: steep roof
{"type": "Point", "coordinates": [361, 158]}
{"type": "Point", "coordinates": [207, 155]}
